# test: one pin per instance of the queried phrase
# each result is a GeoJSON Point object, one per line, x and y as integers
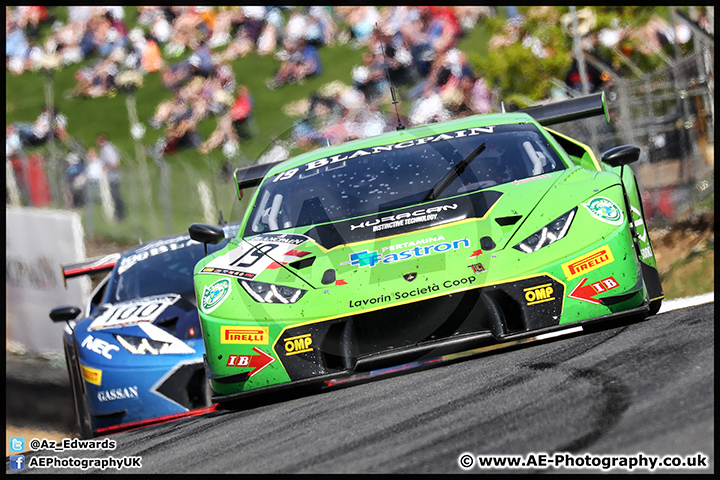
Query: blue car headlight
{"type": "Point", "coordinates": [550, 233]}
{"type": "Point", "coordinates": [269, 293]}
{"type": "Point", "coordinates": [143, 346]}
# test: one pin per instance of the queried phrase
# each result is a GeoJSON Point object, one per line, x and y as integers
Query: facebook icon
{"type": "Point", "coordinates": [17, 462]}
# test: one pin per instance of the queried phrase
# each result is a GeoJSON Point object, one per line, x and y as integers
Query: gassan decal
{"type": "Point", "coordinates": [118, 394]}
{"type": "Point", "coordinates": [538, 294]}
{"type": "Point", "coordinates": [298, 344]}
{"type": "Point", "coordinates": [99, 346]}
{"type": "Point", "coordinates": [244, 335]}
{"type": "Point", "coordinates": [91, 375]}
{"type": "Point", "coordinates": [588, 262]}
{"type": "Point", "coordinates": [604, 210]}
{"type": "Point", "coordinates": [586, 293]}
{"type": "Point", "coordinates": [214, 294]}
{"type": "Point", "coordinates": [256, 362]}
{"type": "Point", "coordinates": [366, 258]}
{"type": "Point", "coordinates": [133, 312]}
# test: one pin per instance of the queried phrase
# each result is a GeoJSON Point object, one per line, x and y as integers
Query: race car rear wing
{"type": "Point", "coordinates": [569, 110]}
{"type": "Point", "coordinates": [550, 114]}
{"type": "Point", "coordinates": [89, 266]}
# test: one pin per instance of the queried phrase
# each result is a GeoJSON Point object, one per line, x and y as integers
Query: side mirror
{"type": "Point", "coordinates": [204, 233]}
{"type": "Point", "coordinates": [623, 155]}
{"type": "Point", "coordinates": [64, 314]}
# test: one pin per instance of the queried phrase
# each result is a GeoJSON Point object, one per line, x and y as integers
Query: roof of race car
{"type": "Point", "coordinates": [475, 121]}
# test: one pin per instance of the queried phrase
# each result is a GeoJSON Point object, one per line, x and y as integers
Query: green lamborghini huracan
{"type": "Point", "coordinates": [417, 244]}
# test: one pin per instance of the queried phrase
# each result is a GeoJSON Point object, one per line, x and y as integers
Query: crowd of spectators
{"type": "Point", "coordinates": [192, 49]}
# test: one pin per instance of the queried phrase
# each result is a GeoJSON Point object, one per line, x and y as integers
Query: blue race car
{"type": "Point", "coordinates": [136, 355]}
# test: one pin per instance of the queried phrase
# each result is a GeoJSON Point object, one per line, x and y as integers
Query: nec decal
{"type": "Point", "coordinates": [244, 335]}
{"type": "Point", "coordinates": [588, 262]}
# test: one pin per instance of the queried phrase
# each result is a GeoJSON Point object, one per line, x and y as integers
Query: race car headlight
{"type": "Point", "coordinates": [269, 293]}
{"type": "Point", "coordinates": [552, 232]}
{"type": "Point", "coordinates": [142, 345]}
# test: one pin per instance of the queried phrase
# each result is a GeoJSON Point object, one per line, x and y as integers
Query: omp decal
{"type": "Point", "coordinates": [604, 210]}
{"type": "Point", "coordinates": [244, 335]}
{"type": "Point", "coordinates": [299, 344]}
{"type": "Point", "coordinates": [585, 293]}
{"type": "Point", "coordinates": [214, 294]}
{"type": "Point", "coordinates": [118, 394]}
{"type": "Point", "coordinates": [91, 375]}
{"type": "Point", "coordinates": [256, 362]}
{"type": "Point", "coordinates": [99, 346]}
{"type": "Point", "coordinates": [370, 259]}
{"type": "Point", "coordinates": [538, 294]}
{"type": "Point", "coordinates": [136, 311]}
{"type": "Point", "coordinates": [588, 262]}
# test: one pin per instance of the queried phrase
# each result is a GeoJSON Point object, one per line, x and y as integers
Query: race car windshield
{"type": "Point", "coordinates": [158, 269]}
{"type": "Point", "coordinates": [382, 178]}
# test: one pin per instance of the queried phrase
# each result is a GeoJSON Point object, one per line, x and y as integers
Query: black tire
{"type": "Point", "coordinates": [81, 413]}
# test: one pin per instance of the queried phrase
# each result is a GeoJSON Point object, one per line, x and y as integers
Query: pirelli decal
{"type": "Point", "coordinates": [91, 375]}
{"type": "Point", "coordinates": [244, 335]}
{"type": "Point", "coordinates": [588, 262]}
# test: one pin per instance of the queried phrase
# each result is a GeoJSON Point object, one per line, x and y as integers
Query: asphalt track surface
{"type": "Point", "coordinates": [641, 388]}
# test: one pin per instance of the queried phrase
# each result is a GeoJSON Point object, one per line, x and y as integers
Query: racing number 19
{"type": "Point", "coordinates": [251, 257]}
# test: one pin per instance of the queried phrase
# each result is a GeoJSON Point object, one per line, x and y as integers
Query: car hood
{"type": "Point", "coordinates": [156, 328]}
{"type": "Point", "coordinates": [491, 219]}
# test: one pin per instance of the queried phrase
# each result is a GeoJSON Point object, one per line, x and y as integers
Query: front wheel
{"type": "Point", "coordinates": [81, 413]}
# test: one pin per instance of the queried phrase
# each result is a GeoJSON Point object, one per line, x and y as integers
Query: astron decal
{"type": "Point", "coordinates": [330, 162]}
{"type": "Point", "coordinates": [370, 259]}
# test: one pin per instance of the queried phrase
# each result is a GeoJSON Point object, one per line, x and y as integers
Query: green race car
{"type": "Point", "coordinates": [419, 243]}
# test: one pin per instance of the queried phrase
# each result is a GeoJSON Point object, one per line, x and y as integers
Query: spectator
{"type": "Point", "coordinates": [75, 180]}
{"type": "Point", "coordinates": [93, 176]}
{"type": "Point", "coordinates": [110, 161]}
{"type": "Point", "coordinates": [303, 61]}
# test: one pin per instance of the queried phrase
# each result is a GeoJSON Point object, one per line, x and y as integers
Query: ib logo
{"type": "Point", "coordinates": [17, 462]}
{"type": "Point", "coordinates": [17, 444]}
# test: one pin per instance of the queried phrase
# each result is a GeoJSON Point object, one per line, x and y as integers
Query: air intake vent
{"type": "Point", "coordinates": [511, 220]}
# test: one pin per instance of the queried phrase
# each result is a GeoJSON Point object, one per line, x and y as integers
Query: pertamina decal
{"type": "Point", "coordinates": [588, 262]}
{"type": "Point", "coordinates": [244, 335]}
{"type": "Point", "coordinates": [214, 295]}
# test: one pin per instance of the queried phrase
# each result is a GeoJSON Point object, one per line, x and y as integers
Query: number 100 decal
{"type": "Point", "coordinates": [145, 310]}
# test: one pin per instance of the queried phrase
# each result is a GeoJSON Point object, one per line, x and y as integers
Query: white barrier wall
{"type": "Point", "coordinates": [37, 242]}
